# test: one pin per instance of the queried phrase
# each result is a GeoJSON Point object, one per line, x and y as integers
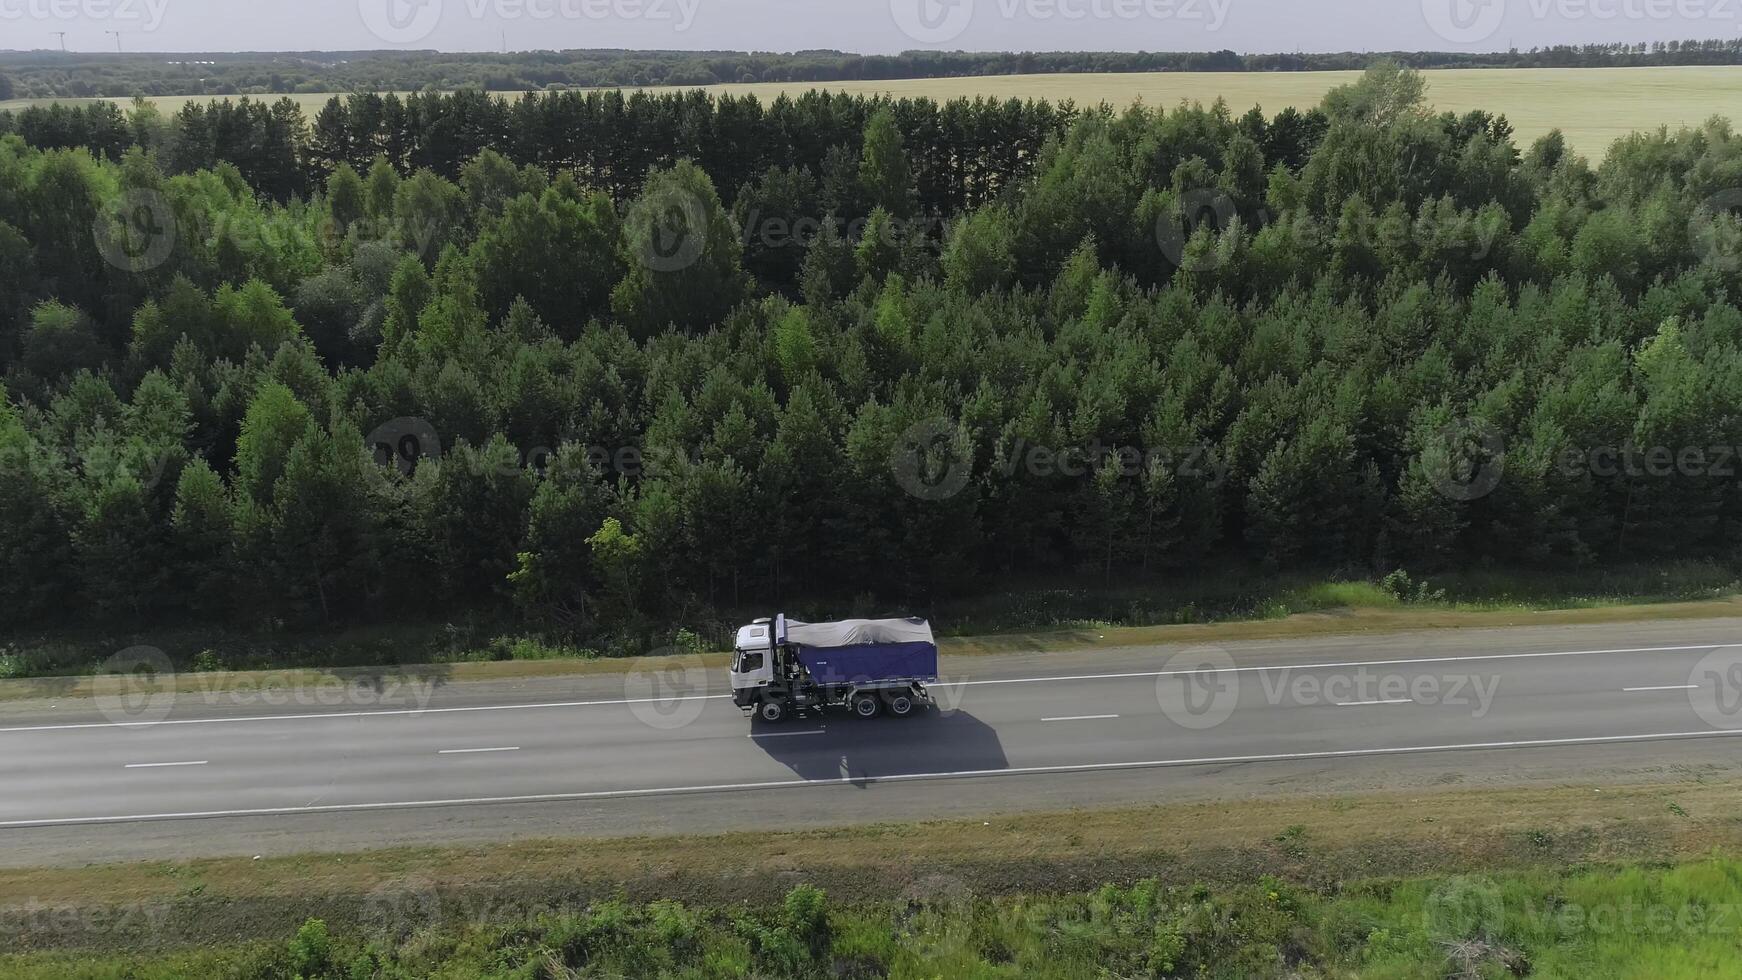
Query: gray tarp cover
{"type": "Point", "coordinates": [853, 632]}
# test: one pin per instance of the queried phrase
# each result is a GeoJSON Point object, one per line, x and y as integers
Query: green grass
{"type": "Point", "coordinates": [1592, 106]}
{"type": "Point", "coordinates": [1225, 592]}
{"type": "Point", "coordinates": [1220, 596]}
{"type": "Point", "coordinates": [1646, 922]}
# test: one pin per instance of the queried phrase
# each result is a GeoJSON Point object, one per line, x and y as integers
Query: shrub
{"type": "Point", "coordinates": [311, 951]}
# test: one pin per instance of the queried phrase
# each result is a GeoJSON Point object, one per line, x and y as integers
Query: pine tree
{"type": "Point", "coordinates": [883, 168]}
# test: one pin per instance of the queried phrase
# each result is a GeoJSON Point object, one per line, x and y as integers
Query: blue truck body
{"type": "Point", "coordinates": [864, 663]}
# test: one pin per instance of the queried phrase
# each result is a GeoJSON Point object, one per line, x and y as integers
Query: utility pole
{"type": "Point", "coordinates": [63, 40]}
{"type": "Point", "coordinates": [117, 36]}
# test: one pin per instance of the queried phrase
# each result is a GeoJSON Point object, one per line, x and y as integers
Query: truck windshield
{"type": "Point", "coordinates": [748, 662]}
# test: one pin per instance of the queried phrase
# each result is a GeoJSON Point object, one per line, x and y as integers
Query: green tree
{"type": "Point", "coordinates": [35, 495]}
{"type": "Point", "coordinates": [201, 551]}
{"type": "Point", "coordinates": [558, 254]}
{"type": "Point", "coordinates": [324, 525]}
{"type": "Point", "coordinates": [795, 347]}
{"type": "Point", "coordinates": [381, 189]}
{"type": "Point", "coordinates": [981, 254]}
{"type": "Point", "coordinates": [346, 199]}
{"type": "Point", "coordinates": [682, 253]}
{"type": "Point", "coordinates": [555, 574]}
{"type": "Point", "coordinates": [472, 512]}
{"type": "Point", "coordinates": [273, 425]}
{"type": "Point", "coordinates": [119, 548]}
{"type": "Point", "coordinates": [61, 340]}
{"type": "Point", "coordinates": [617, 554]}
{"type": "Point", "coordinates": [883, 168]}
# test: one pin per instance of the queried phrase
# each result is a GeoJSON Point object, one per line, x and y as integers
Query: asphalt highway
{"type": "Point", "coordinates": [229, 774]}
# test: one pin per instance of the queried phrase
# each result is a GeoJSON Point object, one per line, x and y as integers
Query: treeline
{"type": "Point", "coordinates": [45, 74]}
{"type": "Point", "coordinates": [961, 152]}
{"type": "Point", "coordinates": [1353, 339]}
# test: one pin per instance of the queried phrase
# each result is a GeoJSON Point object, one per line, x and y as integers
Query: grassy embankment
{"type": "Point", "coordinates": [1592, 106]}
{"type": "Point", "coordinates": [1223, 605]}
{"type": "Point", "coordinates": [1641, 882]}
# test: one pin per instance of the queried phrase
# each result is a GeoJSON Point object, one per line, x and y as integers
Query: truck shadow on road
{"type": "Point", "coordinates": [838, 746]}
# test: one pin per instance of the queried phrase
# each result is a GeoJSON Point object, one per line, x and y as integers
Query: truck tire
{"type": "Point", "coordinates": [773, 712]}
{"type": "Point", "coordinates": [901, 704]}
{"type": "Point", "coordinates": [866, 705]}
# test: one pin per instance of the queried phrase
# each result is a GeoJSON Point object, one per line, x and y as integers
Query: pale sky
{"type": "Point", "coordinates": [868, 26]}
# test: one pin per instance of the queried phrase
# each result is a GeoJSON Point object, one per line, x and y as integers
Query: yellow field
{"type": "Point", "coordinates": [1593, 106]}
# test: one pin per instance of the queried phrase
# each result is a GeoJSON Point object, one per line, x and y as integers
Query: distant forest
{"type": "Point", "coordinates": [573, 356]}
{"type": "Point", "coordinates": [53, 74]}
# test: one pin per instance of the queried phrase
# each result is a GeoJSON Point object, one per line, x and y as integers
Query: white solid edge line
{"type": "Point", "coordinates": [1357, 704]}
{"type": "Point", "coordinates": [357, 714]}
{"type": "Point", "coordinates": [812, 731]}
{"type": "Point", "coordinates": [1080, 718]}
{"type": "Point", "coordinates": [1007, 680]}
{"type": "Point", "coordinates": [505, 748]}
{"type": "Point", "coordinates": [1666, 687]}
{"type": "Point", "coordinates": [161, 765]}
{"type": "Point", "coordinates": [862, 780]}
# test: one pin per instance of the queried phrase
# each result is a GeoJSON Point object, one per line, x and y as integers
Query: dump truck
{"type": "Point", "coordinates": [782, 667]}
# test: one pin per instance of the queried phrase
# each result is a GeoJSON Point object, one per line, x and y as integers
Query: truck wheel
{"type": "Point", "coordinates": [901, 705]}
{"type": "Point", "coordinates": [772, 712]}
{"type": "Point", "coordinates": [866, 705]}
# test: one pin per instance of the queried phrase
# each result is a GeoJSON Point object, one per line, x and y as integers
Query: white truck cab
{"type": "Point", "coordinates": [753, 657]}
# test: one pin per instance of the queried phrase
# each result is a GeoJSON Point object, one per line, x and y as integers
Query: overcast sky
{"type": "Point", "coordinates": [871, 26]}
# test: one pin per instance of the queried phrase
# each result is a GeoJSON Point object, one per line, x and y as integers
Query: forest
{"type": "Point", "coordinates": [600, 359]}
{"type": "Point", "coordinates": [57, 74]}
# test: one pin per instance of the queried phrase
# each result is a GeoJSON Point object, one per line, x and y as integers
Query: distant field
{"type": "Point", "coordinates": [1593, 106]}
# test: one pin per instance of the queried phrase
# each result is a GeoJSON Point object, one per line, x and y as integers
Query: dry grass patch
{"type": "Point", "coordinates": [1319, 842]}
